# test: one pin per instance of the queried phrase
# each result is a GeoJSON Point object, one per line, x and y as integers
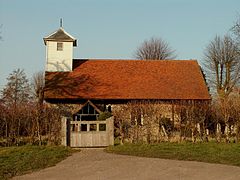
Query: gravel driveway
{"type": "Point", "coordinates": [95, 164]}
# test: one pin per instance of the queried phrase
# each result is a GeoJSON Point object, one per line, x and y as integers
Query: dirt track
{"type": "Point", "coordinates": [92, 164]}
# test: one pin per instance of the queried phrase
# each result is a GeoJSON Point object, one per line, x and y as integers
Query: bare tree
{"type": "Point", "coordinates": [155, 49]}
{"type": "Point", "coordinates": [222, 62]}
{"type": "Point", "coordinates": [236, 30]}
{"type": "Point", "coordinates": [38, 85]}
{"type": "Point", "coordinates": [235, 114]}
{"type": "Point", "coordinates": [15, 96]}
{"type": "Point", "coordinates": [25, 118]}
{"type": "Point", "coordinates": [17, 89]}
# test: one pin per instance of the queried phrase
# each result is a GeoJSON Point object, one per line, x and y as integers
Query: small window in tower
{"type": "Point", "coordinates": [59, 46]}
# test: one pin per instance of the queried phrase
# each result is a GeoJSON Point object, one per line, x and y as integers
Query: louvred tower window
{"type": "Point", "coordinates": [59, 46]}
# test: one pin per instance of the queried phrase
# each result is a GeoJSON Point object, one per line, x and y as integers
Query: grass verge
{"type": "Point", "coordinates": [204, 152]}
{"type": "Point", "coordinates": [20, 160]}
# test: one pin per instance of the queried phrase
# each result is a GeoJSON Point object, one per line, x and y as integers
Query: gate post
{"type": "Point", "coordinates": [63, 131]}
{"type": "Point", "coordinates": [68, 133]}
{"type": "Point", "coordinates": [110, 129]}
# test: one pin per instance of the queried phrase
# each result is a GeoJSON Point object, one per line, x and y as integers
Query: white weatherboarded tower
{"type": "Point", "coordinates": [59, 51]}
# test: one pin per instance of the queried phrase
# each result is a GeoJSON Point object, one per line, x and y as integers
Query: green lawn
{"type": "Point", "coordinates": [205, 152]}
{"type": "Point", "coordinates": [20, 160]}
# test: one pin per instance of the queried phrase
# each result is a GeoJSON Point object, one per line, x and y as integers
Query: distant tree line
{"type": "Point", "coordinates": [24, 117]}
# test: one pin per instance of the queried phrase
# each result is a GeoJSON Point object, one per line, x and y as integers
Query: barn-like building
{"type": "Point", "coordinates": [110, 82]}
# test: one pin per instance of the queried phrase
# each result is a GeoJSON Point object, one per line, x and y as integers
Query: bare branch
{"type": "Point", "coordinates": [222, 63]}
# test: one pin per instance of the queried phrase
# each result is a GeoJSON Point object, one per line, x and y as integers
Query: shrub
{"type": "Point", "coordinates": [104, 115]}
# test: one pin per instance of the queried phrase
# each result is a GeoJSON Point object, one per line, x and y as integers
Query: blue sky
{"type": "Point", "coordinates": [109, 28]}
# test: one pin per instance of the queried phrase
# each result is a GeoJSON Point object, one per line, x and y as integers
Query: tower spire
{"type": "Point", "coordinates": [61, 23]}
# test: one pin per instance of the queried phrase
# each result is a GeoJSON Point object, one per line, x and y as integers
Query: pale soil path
{"type": "Point", "coordinates": [95, 164]}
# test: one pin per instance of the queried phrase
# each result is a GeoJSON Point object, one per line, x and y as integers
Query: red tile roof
{"type": "Point", "coordinates": [128, 79]}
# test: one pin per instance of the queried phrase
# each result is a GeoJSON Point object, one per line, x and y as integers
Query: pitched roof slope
{"type": "Point", "coordinates": [128, 79]}
{"type": "Point", "coordinates": [60, 35]}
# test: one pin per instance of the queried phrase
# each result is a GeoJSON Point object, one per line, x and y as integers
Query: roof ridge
{"type": "Point", "coordinates": [111, 59]}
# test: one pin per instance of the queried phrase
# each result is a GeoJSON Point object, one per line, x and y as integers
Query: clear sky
{"type": "Point", "coordinates": [109, 28]}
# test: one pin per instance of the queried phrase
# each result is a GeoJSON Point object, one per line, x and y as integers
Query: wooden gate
{"type": "Point", "coordinates": [91, 133]}
{"type": "Point", "coordinates": [86, 130]}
